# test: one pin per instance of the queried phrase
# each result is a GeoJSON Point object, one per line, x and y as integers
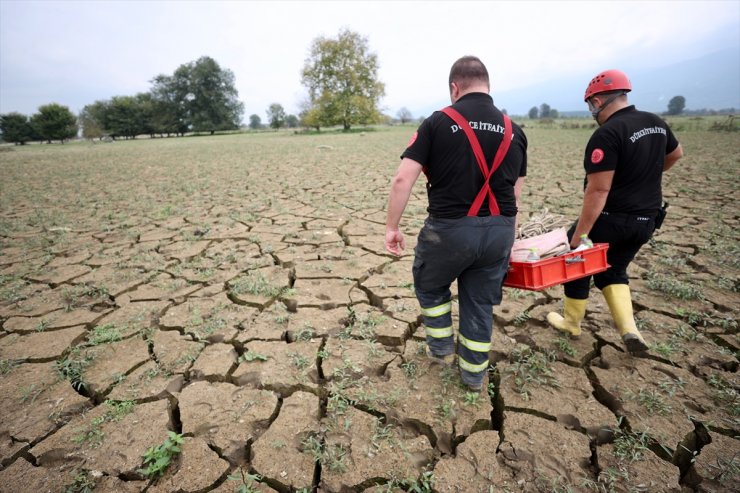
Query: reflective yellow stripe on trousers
{"type": "Point", "coordinates": [478, 347]}
{"type": "Point", "coordinates": [438, 332]}
{"type": "Point", "coordinates": [437, 311]}
{"type": "Point", "coordinates": [470, 366]}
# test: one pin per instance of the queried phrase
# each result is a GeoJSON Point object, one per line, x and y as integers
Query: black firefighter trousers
{"type": "Point", "coordinates": [475, 251]}
{"type": "Point", "coordinates": [626, 234]}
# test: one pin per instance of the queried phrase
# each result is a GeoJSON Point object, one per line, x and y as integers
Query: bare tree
{"type": "Point", "coordinates": [404, 115]}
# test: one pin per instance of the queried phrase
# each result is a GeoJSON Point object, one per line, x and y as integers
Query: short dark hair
{"type": "Point", "coordinates": [466, 70]}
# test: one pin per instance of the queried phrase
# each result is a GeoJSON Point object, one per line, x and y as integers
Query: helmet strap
{"type": "Point", "coordinates": [595, 111]}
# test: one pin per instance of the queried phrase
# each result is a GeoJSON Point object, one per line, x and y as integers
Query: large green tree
{"type": "Point", "coordinates": [16, 128]}
{"type": "Point", "coordinates": [215, 104]}
{"type": "Point", "coordinates": [54, 122]}
{"type": "Point", "coordinates": [341, 76]}
{"type": "Point", "coordinates": [200, 96]}
{"type": "Point", "coordinates": [676, 105]}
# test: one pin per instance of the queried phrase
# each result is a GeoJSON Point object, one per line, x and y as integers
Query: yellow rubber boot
{"type": "Point", "coordinates": [620, 305]}
{"type": "Point", "coordinates": [574, 311]}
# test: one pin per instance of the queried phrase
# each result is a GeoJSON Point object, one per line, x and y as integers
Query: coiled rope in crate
{"type": "Point", "coordinates": [541, 223]}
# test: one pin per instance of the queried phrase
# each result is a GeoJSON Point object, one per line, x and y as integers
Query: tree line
{"type": "Point", "coordinates": [52, 122]}
{"type": "Point", "coordinates": [340, 76]}
{"type": "Point", "coordinates": [544, 111]}
{"type": "Point", "coordinates": [198, 97]}
{"type": "Point", "coordinates": [675, 107]}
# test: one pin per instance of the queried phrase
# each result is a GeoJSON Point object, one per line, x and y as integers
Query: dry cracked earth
{"type": "Point", "coordinates": [253, 311]}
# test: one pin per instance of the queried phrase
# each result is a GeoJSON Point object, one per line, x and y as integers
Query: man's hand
{"type": "Point", "coordinates": [394, 241]}
{"type": "Point", "coordinates": [408, 171]}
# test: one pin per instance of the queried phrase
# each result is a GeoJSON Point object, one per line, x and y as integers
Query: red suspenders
{"type": "Point", "coordinates": [478, 152]}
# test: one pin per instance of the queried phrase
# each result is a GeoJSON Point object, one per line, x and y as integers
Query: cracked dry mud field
{"type": "Point", "coordinates": [235, 290]}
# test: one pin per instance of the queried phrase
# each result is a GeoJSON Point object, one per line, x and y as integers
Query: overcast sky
{"type": "Point", "coordinates": [76, 52]}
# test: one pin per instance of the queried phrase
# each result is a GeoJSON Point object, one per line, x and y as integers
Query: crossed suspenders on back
{"type": "Point", "coordinates": [480, 157]}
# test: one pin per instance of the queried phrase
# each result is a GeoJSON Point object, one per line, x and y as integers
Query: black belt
{"type": "Point", "coordinates": [640, 218]}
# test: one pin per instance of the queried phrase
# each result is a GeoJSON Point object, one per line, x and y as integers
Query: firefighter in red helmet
{"type": "Point", "coordinates": [622, 202]}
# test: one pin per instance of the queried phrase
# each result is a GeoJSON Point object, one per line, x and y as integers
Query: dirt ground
{"type": "Point", "coordinates": [232, 293]}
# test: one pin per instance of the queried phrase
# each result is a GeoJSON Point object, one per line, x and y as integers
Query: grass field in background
{"type": "Point", "coordinates": [89, 184]}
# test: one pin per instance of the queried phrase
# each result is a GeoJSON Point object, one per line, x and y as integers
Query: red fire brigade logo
{"type": "Point", "coordinates": [597, 156]}
{"type": "Point", "coordinates": [413, 139]}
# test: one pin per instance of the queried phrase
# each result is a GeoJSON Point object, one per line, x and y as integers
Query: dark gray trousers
{"type": "Point", "coordinates": [474, 251]}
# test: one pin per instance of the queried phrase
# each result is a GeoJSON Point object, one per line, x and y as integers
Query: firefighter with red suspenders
{"type": "Point", "coordinates": [475, 160]}
{"type": "Point", "coordinates": [622, 201]}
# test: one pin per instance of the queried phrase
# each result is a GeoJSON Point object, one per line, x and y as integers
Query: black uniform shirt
{"type": "Point", "coordinates": [633, 144]}
{"type": "Point", "coordinates": [453, 176]}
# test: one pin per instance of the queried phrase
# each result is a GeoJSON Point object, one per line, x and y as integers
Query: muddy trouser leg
{"type": "Point", "coordinates": [435, 268]}
{"type": "Point", "coordinates": [436, 311]}
{"type": "Point", "coordinates": [479, 288]}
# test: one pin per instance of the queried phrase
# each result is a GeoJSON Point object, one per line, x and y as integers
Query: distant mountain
{"type": "Point", "coordinates": [708, 82]}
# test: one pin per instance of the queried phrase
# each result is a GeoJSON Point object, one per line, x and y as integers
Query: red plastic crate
{"type": "Point", "coordinates": [535, 276]}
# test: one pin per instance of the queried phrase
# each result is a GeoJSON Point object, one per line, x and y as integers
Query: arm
{"type": "Point", "coordinates": [672, 157]}
{"type": "Point", "coordinates": [406, 176]}
{"type": "Point", "coordinates": [594, 199]}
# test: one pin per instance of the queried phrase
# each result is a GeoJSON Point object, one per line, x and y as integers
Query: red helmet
{"type": "Point", "coordinates": [608, 80]}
